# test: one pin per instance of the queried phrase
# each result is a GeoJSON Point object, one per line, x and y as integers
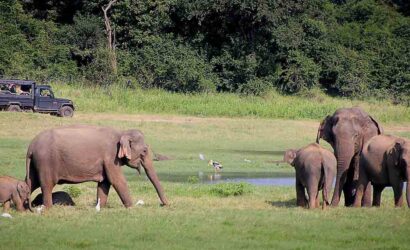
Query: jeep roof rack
{"type": "Point", "coordinates": [19, 82]}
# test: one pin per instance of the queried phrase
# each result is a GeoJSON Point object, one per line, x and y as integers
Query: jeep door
{"type": "Point", "coordinates": [45, 100]}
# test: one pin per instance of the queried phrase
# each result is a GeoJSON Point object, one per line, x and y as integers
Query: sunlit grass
{"type": "Point", "coordinates": [263, 217]}
{"type": "Point", "coordinates": [273, 105]}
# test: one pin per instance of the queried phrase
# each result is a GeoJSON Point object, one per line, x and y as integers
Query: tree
{"type": "Point", "coordinates": [110, 36]}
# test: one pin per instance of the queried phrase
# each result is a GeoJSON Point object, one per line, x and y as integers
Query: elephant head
{"type": "Point", "coordinates": [134, 152]}
{"type": "Point", "coordinates": [346, 131]}
{"type": "Point", "coordinates": [290, 156]}
{"type": "Point", "coordinates": [24, 193]}
{"type": "Point", "coordinates": [399, 155]}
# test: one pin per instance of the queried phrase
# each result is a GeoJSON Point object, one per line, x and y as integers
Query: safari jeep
{"type": "Point", "coordinates": [18, 95]}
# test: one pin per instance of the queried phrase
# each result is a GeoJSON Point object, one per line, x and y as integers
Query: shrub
{"type": "Point", "coordinates": [230, 189]}
{"type": "Point", "coordinates": [72, 190]}
{"type": "Point", "coordinates": [193, 179]}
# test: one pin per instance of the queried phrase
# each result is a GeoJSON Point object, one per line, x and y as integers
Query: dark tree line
{"type": "Point", "coordinates": [345, 47]}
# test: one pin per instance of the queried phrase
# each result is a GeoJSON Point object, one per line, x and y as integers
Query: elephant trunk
{"type": "Point", "coordinates": [153, 177]}
{"type": "Point", "coordinates": [344, 157]}
{"type": "Point", "coordinates": [29, 204]}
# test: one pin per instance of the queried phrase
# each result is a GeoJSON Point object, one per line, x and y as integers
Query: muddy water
{"type": "Point", "coordinates": [259, 178]}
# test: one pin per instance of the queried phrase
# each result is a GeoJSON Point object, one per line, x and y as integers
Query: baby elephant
{"type": "Point", "coordinates": [315, 170]}
{"type": "Point", "coordinates": [385, 161]}
{"type": "Point", "coordinates": [14, 190]}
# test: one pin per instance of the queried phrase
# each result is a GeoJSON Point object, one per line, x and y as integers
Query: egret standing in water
{"type": "Point", "coordinates": [217, 166]}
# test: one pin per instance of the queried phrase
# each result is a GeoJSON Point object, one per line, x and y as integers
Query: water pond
{"type": "Point", "coordinates": [258, 178]}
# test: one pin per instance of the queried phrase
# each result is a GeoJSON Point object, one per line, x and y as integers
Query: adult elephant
{"type": "Point", "coordinates": [76, 154]}
{"type": "Point", "coordinates": [385, 161]}
{"type": "Point", "coordinates": [347, 130]}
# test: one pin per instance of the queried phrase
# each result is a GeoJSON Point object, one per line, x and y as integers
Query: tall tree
{"type": "Point", "coordinates": [110, 36]}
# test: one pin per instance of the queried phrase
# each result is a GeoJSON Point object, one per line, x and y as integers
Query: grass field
{"type": "Point", "coordinates": [313, 105]}
{"type": "Point", "coordinates": [262, 218]}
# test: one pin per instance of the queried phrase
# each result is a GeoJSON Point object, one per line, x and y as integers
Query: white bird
{"type": "Point", "coordinates": [201, 157]}
{"type": "Point", "coordinates": [140, 203]}
{"type": "Point", "coordinates": [40, 209]}
{"type": "Point", "coordinates": [6, 215]}
{"type": "Point", "coordinates": [97, 207]}
{"type": "Point", "coordinates": [217, 166]}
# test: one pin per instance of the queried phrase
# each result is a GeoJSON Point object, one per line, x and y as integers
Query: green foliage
{"type": "Point", "coordinates": [165, 64]}
{"type": "Point", "coordinates": [348, 48]}
{"type": "Point", "coordinates": [231, 189]}
{"type": "Point", "coordinates": [193, 179]}
{"type": "Point", "coordinates": [72, 190]}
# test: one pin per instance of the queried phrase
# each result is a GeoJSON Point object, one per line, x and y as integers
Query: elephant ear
{"type": "Point", "coordinates": [125, 147]}
{"type": "Point", "coordinates": [145, 151]}
{"type": "Point", "coordinates": [379, 128]}
{"type": "Point", "coordinates": [289, 156]}
{"type": "Point", "coordinates": [398, 151]}
{"type": "Point", "coordinates": [21, 189]}
{"type": "Point", "coordinates": [324, 130]}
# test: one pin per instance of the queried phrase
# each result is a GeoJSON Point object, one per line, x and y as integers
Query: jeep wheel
{"type": "Point", "coordinates": [66, 111]}
{"type": "Point", "coordinates": [14, 108]}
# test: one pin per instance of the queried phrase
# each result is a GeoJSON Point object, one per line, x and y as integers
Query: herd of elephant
{"type": "Point", "coordinates": [363, 156]}
{"type": "Point", "coordinates": [75, 154]}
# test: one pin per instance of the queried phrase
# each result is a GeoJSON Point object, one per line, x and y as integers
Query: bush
{"type": "Point", "coordinates": [172, 66]}
{"type": "Point", "coordinates": [193, 179]}
{"type": "Point", "coordinates": [72, 190]}
{"type": "Point", "coordinates": [300, 72]}
{"type": "Point", "coordinates": [230, 189]}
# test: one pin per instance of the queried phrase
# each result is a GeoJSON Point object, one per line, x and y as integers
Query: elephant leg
{"type": "Point", "coordinates": [102, 192]}
{"type": "Point", "coordinates": [408, 186]}
{"type": "Point", "coordinates": [397, 185]}
{"type": "Point", "coordinates": [47, 191]}
{"type": "Point", "coordinates": [377, 195]}
{"type": "Point", "coordinates": [367, 196]}
{"type": "Point", "coordinates": [15, 197]}
{"type": "Point", "coordinates": [362, 185]}
{"type": "Point", "coordinates": [349, 188]}
{"type": "Point", "coordinates": [300, 194]}
{"type": "Point", "coordinates": [6, 206]}
{"type": "Point", "coordinates": [398, 194]}
{"type": "Point", "coordinates": [313, 194]}
{"type": "Point", "coordinates": [118, 181]}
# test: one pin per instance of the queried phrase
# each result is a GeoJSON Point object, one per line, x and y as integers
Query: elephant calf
{"type": "Point", "coordinates": [385, 161]}
{"type": "Point", "coordinates": [14, 190]}
{"type": "Point", "coordinates": [315, 170]}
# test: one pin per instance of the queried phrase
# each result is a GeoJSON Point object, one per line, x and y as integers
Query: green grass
{"type": "Point", "coordinates": [199, 216]}
{"type": "Point", "coordinates": [314, 105]}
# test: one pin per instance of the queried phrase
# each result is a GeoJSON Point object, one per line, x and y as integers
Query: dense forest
{"type": "Point", "coordinates": [356, 48]}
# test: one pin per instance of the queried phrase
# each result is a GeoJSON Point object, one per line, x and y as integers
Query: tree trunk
{"type": "Point", "coordinates": [110, 37]}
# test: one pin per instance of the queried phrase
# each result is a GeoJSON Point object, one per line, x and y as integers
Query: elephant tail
{"type": "Point", "coordinates": [28, 166]}
{"type": "Point", "coordinates": [28, 179]}
{"type": "Point", "coordinates": [324, 191]}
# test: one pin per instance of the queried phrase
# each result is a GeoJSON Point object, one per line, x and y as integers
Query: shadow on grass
{"type": "Point", "coordinates": [288, 203]}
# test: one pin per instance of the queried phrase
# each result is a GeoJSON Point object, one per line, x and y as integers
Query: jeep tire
{"type": "Point", "coordinates": [14, 108]}
{"type": "Point", "coordinates": [66, 111]}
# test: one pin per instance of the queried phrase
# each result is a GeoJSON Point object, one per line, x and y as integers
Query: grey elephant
{"type": "Point", "coordinates": [346, 131]}
{"type": "Point", "coordinates": [80, 153]}
{"type": "Point", "coordinates": [315, 170]}
{"type": "Point", "coordinates": [385, 161]}
{"type": "Point", "coordinates": [12, 189]}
